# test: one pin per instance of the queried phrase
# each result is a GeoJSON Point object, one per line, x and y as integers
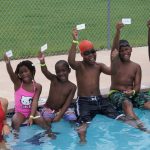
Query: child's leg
{"type": "Point", "coordinates": [142, 100]}
{"type": "Point", "coordinates": [45, 125]}
{"type": "Point", "coordinates": [128, 109]}
{"type": "Point", "coordinates": [41, 122]}
{"type": "Point", "coordinates": [147, 105]}
{"type": "Point", "coordinates": [82, 132]}
{"type": "Point", "coordinates": [17, 120]}
{"type": "Point", "coordinates": [3, 146]}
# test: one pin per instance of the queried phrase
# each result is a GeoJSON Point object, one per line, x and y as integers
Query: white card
{"type": "Point", "coordinates": [80, 26]}
{"type": "Point", "coordinates": [126, 20]}
{"type": "Point", "coordinates": [9, 53]}
{"type": "Point", "coordinates": [44, 47]}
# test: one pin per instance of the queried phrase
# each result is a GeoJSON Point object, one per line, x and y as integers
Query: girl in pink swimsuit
{"type": "Point", "coordinates": [27, 93]}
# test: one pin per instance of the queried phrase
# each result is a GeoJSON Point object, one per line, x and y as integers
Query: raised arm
{"type": "Point", "coordinates": [14, 78]}
{"type": "Point", "coordinates": [148, 25]}
{"type": "Point", "coordinates": [72, 52]}
{"type": "Point", "coordinates": [44, 69]}
{"type": "Point", "coordinates": [115, 46]}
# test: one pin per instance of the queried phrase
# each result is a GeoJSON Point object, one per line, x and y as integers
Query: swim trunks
{"type": "Point", "coordinates": [70, 113]}
{"type": "Point", "coordinates": [48, 113]}
{"type": "Point", "coordinates": [138, 99]}
{"type": "Point", "coordinates": [88, 107]}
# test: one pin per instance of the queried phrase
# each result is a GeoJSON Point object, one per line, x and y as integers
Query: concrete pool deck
{"type": "Point", "coordinates": [139, 55]}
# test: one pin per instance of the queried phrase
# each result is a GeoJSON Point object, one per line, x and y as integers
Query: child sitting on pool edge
{"type": "Point", "coordinates": [27, 93]}
{"type": "Point", "coordinates": [61, 92]}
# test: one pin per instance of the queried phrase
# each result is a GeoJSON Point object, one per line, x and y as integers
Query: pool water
{"type": "Point", "coordinates": [103, 134]}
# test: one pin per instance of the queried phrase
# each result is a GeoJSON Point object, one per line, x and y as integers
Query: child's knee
{"type": "Point", "coordinates": [147, 105]}
{"type": "Point", "coordinates": [126, 104]}
{"type": "Point", "coordinates": [70, 117]}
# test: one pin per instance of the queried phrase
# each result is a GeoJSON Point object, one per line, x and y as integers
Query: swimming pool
{"type": "Point", "coordinates": [102, 134]}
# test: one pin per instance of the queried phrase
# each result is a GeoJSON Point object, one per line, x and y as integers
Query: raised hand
{"type": "Point", "coordinates": [119, 25]}
{"type": "Point", "coordinates": [75, 34]}
{"type": "Point", "coordinates": [6, 59]}
{"type": "Point", "coordinates": [40, 56]}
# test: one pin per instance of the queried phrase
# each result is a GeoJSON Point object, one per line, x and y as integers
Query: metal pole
{"type": "Point", "coordinates": [108, 24]}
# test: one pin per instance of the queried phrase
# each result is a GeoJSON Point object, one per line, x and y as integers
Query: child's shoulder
{"type": "Point", "coordinates": [99, 64]}
{"type": "Point", "coordinates": [134, 66]}
{"type": "Point", "coordinates": [38, 85]}
{"type": "Point", "coordinates": [72, 84]}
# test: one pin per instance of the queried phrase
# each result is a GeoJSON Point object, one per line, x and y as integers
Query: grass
{"type": "Point", "coordinates": [26, 25]}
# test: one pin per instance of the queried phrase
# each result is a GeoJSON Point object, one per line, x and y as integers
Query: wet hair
{"type": "Point", "coordinates": [65, 63]}
{"type": "Point", "coordinates": [123, 43]}
{"type": "Point", "coordinates": [28, 64]}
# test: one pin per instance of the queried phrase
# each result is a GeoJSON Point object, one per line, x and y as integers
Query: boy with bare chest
{"type": "Point", "coordinates": [61, 92]}
{"type": "Point", "coordinates": [89, 100]}
{"type": "Point", "coordinates": [126, 79]}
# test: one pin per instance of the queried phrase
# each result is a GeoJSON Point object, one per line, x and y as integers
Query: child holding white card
{"type": "Point", "coordinates": [126, 80]}
{"type": "Point", "coordinates": [89, 101]}
{"type": "Point", "coordinates": [61, 92]}
{"type": "Point", "coordinates": [27, 93]}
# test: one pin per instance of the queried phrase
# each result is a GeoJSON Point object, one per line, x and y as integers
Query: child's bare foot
{"type": "Point", "coordinates": [15, 134]}
{"type": "Point", "coordinates": [51, 135]}
{"type": "Point", "coordinates": [83, 141]}
{"type": "Point", "coordinates": [141, 126]}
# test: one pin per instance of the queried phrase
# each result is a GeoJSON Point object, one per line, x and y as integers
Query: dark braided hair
{"type": "Point", "coordinates": [28, 64]}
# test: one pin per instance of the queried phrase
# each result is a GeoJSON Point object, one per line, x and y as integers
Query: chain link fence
{"type": "Point", "coordinates": [26, 25]}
